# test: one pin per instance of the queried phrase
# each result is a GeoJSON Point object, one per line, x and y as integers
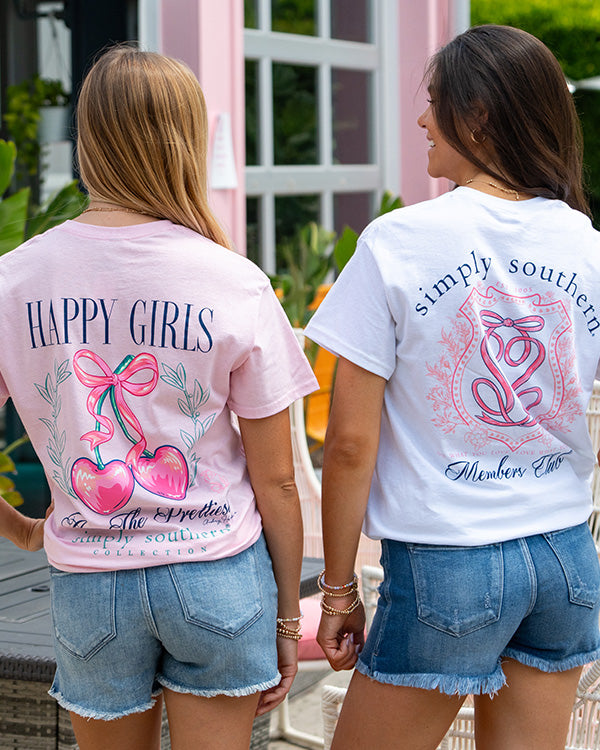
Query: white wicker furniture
{"type": "Point", "coordinates": [593, 420]}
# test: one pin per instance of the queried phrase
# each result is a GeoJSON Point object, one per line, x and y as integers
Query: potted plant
{"type": "Point", "coordinates": [55, 111]}
{"type": "Point", "coordinates": [37, 112]}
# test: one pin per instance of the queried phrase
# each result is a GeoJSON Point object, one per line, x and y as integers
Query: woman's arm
{"type": "Point", "coordinates": [351, 445]}
{"type": "Point", "coordinates": [26, 533]}
{"type": "Point", "coordinates": [268, 447]}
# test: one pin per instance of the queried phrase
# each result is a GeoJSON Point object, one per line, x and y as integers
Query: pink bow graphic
{"type": "Point", "coordinates": [119, 381]}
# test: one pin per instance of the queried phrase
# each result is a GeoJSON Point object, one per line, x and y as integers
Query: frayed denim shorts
{"type": "Point", "coordinates": [447, 616]}
{"type": "Point", "coordinates": [205, 628]}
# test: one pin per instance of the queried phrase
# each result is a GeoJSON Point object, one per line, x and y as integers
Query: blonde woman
{"type": "Point", "coordinates": [130, 337]}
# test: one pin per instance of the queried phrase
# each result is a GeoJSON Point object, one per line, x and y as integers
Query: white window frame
{"type": "Point", "coordinates": [380, 58]}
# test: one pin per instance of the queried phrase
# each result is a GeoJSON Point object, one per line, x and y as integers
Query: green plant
{"type": "Point", "coordinates": [346, 245]}
{"type": "Point", "coordinates": [8, 489]}
{"type": "Point", "coordinates": [22, 119]}
{"type": "Point", "coordinates": [309, 258]}
{"type": "Point", "coordinates": [19, 220]}
{"type": "Point", "coordinates": [570, 29]}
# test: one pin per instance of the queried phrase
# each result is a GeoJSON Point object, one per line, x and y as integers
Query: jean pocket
{"type": "Point", "coordinates": [458, 589]}
{"type": "Point", "coordinates": [83, 610]}
{"type": "Point", "coordinates": [578, 558]}
{"type": "Point", "coordinates": [223, 596]}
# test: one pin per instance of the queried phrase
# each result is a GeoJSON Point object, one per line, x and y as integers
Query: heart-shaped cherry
{"type": "Point", "coordinates": [103, 490]}
{"type": "Point", "coordinates": [165, 473]}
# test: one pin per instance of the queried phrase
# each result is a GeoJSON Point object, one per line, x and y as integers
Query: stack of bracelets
{"type": "Point", "coordinates": [286, 632]}
{"type": "Point", "coordinates": [339, 591]}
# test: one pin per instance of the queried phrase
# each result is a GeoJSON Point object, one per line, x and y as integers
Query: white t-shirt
{"type": "Point", "coordinates": [483, 315]}
{"type": "Point", "coordinates": [125, 350]}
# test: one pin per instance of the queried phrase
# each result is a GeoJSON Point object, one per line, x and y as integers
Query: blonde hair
{"type": "Point", "coordinates": [143, 138]}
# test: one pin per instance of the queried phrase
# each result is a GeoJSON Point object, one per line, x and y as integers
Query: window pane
{"type": "Point", "coordinates": [251, 14]}
{"type": "Point", "coordinates": [354, 26]}
{"type": "Point", "coordinates": [294, 114]}
{"type": "Point", "coordinates": [251, 112]}
{"type": "Point", "coordinates": [352, 210]}
{"type": "Point", "coordinates": [294, 16]}
{"type": "Point", "coordinates": [253, 229]}
{"type": "Point", "coordinates": [351, 93]}
{"type": "Point", "coordinates": [291, 213]}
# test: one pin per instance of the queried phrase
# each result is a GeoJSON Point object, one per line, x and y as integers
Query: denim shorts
{"type": "Point", "coordinates": [206, 628]}
{"type": "Point", "coordinates": [447, 616]}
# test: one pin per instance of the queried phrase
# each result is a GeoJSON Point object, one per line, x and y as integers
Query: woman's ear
{"type": "Point", "coordinates": [478, 116]}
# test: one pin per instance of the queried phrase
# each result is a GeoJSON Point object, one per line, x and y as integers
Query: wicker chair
{"type": "Point", "coordinates": [593, 420]}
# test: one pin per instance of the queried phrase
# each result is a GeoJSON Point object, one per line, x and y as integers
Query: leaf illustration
{"type": "Point", "coordinates": [53, 457]}
{"type": "Point", "coordinates": [181, 375]}
{"type": "Point", "coordinates": [43, 393]}
{"type": "Point", "coordinates": [207, 424]}
{"type": "Point", "coordinates": [187, 438]}
{"type": "Point", "coordinates": [48, 422]}
{"type": "Point", "coordinates": [171, 377]}
{"type": "Point", "coordinates": [63, 372]}
{"type": "Point", "coordinates": [184, 408]}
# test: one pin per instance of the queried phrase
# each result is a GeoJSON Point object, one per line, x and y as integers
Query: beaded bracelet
{"type": "Point", "coordinates": [349, 609]}
{"type": "Point", "coordinates": [284, 632]}
{"type": "Point", "coordinates": [353, 585]}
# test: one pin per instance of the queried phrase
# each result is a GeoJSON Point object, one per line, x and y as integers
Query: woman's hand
{"type": "Point", "coordinates": [34, 538]}
{"type": "Point", "coordinates": [27, 533]}
{"type": "Point", "coordinates": [287, 663]}
{"type": "Point", "coordinates": [342, 637]}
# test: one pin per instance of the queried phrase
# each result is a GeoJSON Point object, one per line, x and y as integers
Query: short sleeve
{"type": "Point", "coordinates": [276, 372]}
{"type": "Point", "coordinates": [354, 320]}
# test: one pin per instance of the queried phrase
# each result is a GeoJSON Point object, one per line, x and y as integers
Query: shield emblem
{"type": "Point", "coordinates": [510, 379]}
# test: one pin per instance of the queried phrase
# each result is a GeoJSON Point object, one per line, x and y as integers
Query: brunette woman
{"type": "Point", "coordinates": [468, 332]}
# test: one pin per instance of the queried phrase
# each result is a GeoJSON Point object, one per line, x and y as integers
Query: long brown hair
{"type": "Point", "coordinates": [504, 89]}
{"type": "Point", "coordinates": [143, 138]}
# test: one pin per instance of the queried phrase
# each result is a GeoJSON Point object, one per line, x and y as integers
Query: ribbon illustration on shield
{"type": "Point", "coordinates": [498, 413]}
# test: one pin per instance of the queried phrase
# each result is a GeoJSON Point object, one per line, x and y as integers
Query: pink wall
{"type": "Point", "coordinates": [208, 36]}
{"type": "Point", "coordinates": [423, 28]}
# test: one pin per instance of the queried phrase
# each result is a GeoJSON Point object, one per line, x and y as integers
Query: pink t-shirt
{"type": "Point", "coordinates": [125, 351]}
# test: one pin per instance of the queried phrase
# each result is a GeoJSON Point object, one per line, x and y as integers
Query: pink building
{"type": "Point", "coordinates": [352, 70]}
{"type": "Point", "coordinates": [312, 103]}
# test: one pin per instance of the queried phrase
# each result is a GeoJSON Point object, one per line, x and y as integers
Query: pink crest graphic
{"type": "Point", "coordinates": [509, 377]}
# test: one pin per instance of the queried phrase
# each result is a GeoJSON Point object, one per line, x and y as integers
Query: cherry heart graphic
{"type": "Point", "coordinates": [102, 490]}
{"type": "Point", "coordinates": [165, 473]}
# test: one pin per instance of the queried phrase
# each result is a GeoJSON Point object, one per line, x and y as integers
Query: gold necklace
{"type": "Point", "coordinates": [110, 208]}
{"type": "Point", "coordinates": [508, 191]}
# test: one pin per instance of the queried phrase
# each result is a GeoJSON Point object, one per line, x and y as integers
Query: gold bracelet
{"type": "Point", "coordinates": [349, 609]}
{"type": "Point", "coordinates": [294, 635]}
{"type": "Point", "coordinates": [281, 620]}
{"type": "Point", "coordinates": [327, 589]}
